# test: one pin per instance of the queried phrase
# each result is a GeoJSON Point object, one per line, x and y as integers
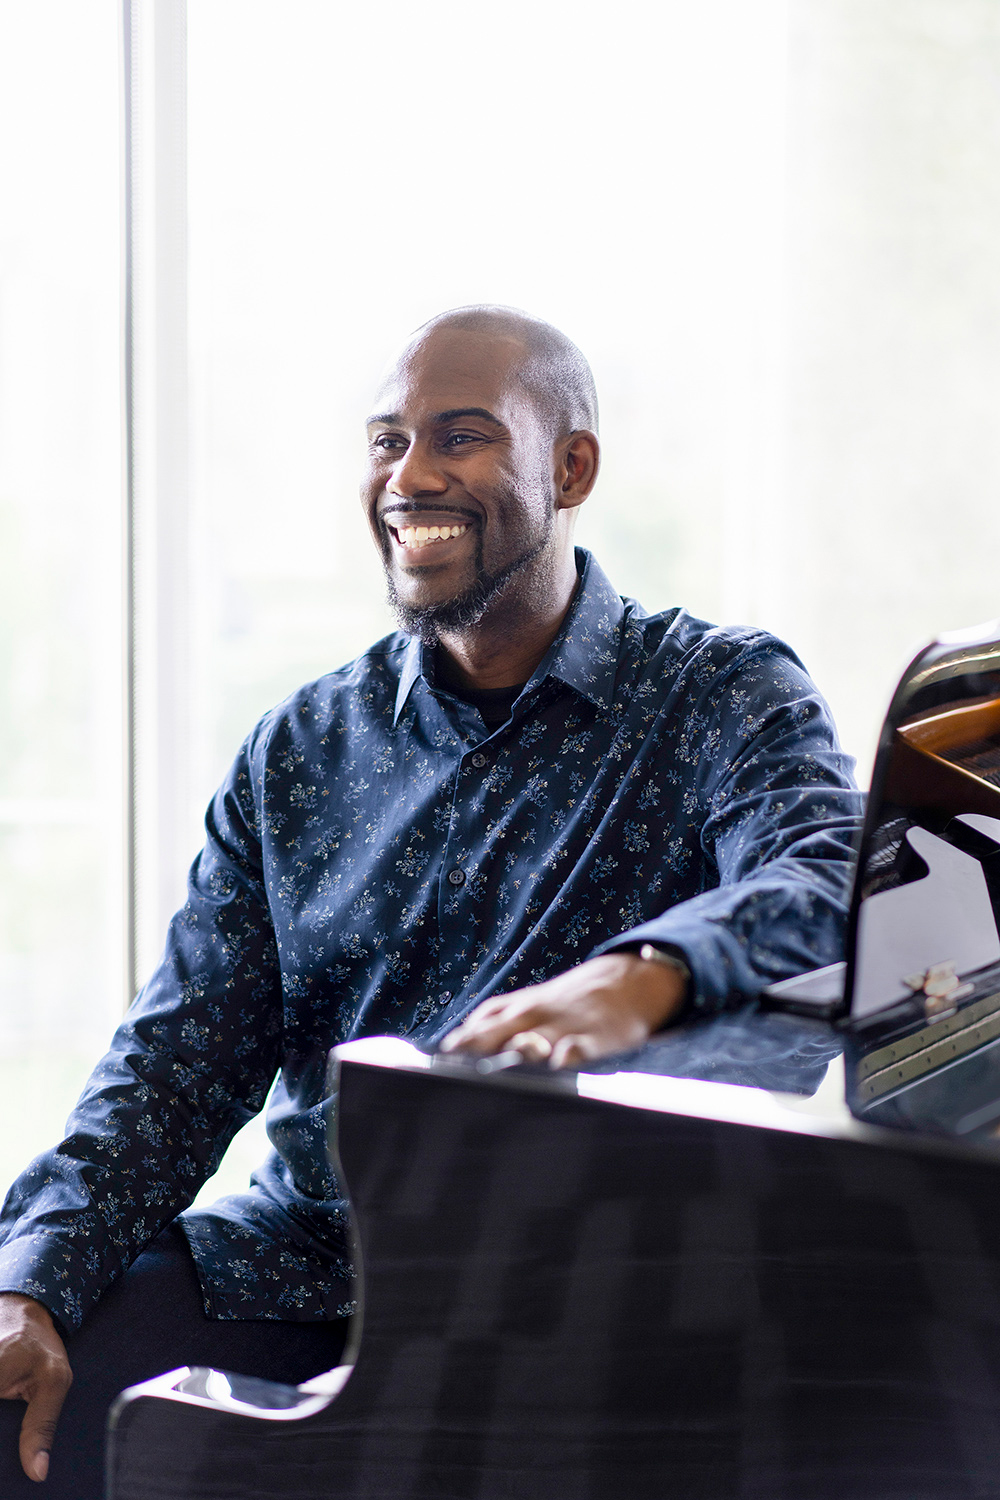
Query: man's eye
{"type": "Point", "coordinates": [459, 439]}
{"type": "Point", "coordinates": [388, 444]}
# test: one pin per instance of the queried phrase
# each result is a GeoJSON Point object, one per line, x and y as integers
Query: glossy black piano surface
{"type": "Point", "coordinates": [694, 1273]}
{"type": "Point", "coordinates": [567, 1297]}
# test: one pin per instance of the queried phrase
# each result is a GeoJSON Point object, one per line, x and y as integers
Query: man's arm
{"type": "Point", "coordinates": [191, 1062]}
{"type": "Point", "coordinates": [779, 815]}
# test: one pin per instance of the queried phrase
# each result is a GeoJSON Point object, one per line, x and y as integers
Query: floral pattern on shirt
{"type": "Point", "coordinates": [378, 862]}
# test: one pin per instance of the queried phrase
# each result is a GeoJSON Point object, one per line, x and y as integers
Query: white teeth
{"type": "Point", "coordinates": [422, 536]}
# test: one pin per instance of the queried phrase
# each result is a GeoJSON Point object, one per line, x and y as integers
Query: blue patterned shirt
{"type": "Point", "coordinates": [377, 861]}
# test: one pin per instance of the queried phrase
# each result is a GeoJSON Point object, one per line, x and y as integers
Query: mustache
{"type": "Point", "coordinates": [409, 508]}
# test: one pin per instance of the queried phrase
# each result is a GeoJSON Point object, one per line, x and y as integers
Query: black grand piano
{"type": "Point", "coordinates": [758, 1258]}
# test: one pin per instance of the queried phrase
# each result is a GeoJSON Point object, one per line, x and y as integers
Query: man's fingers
{"type": "Point", "coordinates": [33, 1368]}
{"type": "Point", "coordinates": [577, 1048]}
{"type": "Point", "coordinates": [483, 1037]}
{"type": "Point", "coordinates": [534, 1046]}
{"type": "Point", "coordinates": [568, 1052]}
{"type": "Point", "coordinates": [490, 1026]}
{"type": "Point", "coordinates": [36, 1466]}
{"type": "Point", "coordinates": [488, 1009]}
{"type": "Point", "coordinates": [38, 1429]}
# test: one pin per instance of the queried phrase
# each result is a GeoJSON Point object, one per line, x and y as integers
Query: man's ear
{"type": "Point", "coordinates": [577, 464]}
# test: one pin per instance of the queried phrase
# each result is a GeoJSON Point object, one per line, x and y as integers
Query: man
{"type": "Point", "coordinates": [429, 842]}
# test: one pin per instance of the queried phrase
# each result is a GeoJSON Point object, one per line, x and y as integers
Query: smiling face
{"type": "Point", "coordinates": [459, 485]}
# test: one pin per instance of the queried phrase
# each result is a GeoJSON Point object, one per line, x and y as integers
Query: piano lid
{"type": "Point", "coordinates": [922, 991]}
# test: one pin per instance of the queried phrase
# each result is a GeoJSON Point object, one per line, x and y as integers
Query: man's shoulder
{"type": "Point", "coordinates": [692, 643]}
{"type": "Point", "coordinates": [371, 678]}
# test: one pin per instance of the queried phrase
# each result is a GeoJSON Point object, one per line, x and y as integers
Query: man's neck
{"type": "Point", "coordinates": [505, 647]}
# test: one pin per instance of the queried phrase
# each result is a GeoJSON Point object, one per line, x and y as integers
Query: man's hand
{"type": "Point", "coordinates": [609, 1004]}
{"type": "Point", "coordinates": [33, 1367]}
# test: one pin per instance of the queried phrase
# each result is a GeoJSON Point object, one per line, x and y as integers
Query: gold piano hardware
{"type": "Point", "coordinates": [941, 988]}
{"type": "Point", "coordinates": [894, 1052]}
{"type": "Point", "coordinates": [914, 1056]}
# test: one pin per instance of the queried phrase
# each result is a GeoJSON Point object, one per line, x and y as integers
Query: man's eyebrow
{"type": "Point", "coordinates": [393, 418]}
{"type": "Point", "coordinates": [468, 411]}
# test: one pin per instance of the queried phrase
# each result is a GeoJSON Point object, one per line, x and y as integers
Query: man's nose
{"type": "Point", "coordinates": [417, 473]}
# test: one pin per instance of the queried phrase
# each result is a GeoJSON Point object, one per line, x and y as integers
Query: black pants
{"type": "Point", "coordinates": [152, 1320]}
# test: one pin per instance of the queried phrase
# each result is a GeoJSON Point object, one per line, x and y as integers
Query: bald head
{"type": "Point", "coordinates": [480, 454]}
{"type": "Point", "coordinates": [553, 372]}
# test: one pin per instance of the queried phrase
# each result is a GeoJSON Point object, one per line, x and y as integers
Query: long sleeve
{"type": "Point", "coordinates": [778, 815]}
{"type": "Point", "coordinates": [190, 1064]}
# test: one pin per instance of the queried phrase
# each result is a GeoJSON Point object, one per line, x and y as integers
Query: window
{"type": "Point", "coordinates": [61, 985]}
{"type": "Point", "coordinates": [771, 227]}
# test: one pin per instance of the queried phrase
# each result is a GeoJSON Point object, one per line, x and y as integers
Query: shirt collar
{"type": "Point", "coordinates": [413, 667]}
{"type": "Point", "coordinates": [584, 655]}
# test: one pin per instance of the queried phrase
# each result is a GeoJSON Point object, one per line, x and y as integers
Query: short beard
{"type": "Point", "coordinates": [465, 610]}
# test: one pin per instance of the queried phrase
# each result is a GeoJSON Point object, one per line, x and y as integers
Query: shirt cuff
{"type": "Point", "coordinates": [46, 1269]}
{"type": "Point", "coordinates": [702, 946]}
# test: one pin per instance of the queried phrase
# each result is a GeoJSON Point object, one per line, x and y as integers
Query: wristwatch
{"type": "Point", "coordinates": [651, 954]}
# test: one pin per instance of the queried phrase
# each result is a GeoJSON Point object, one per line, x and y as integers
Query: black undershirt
{"type": "Point", "coordinates": [494, 704]}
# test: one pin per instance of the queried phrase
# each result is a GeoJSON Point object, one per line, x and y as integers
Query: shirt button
{"type": "Point", "coordinates": [456, 877]}
{"type": "Point", "coordinates": [445, 995]}
{"type": "Point", "coordinates": [479, 760]}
